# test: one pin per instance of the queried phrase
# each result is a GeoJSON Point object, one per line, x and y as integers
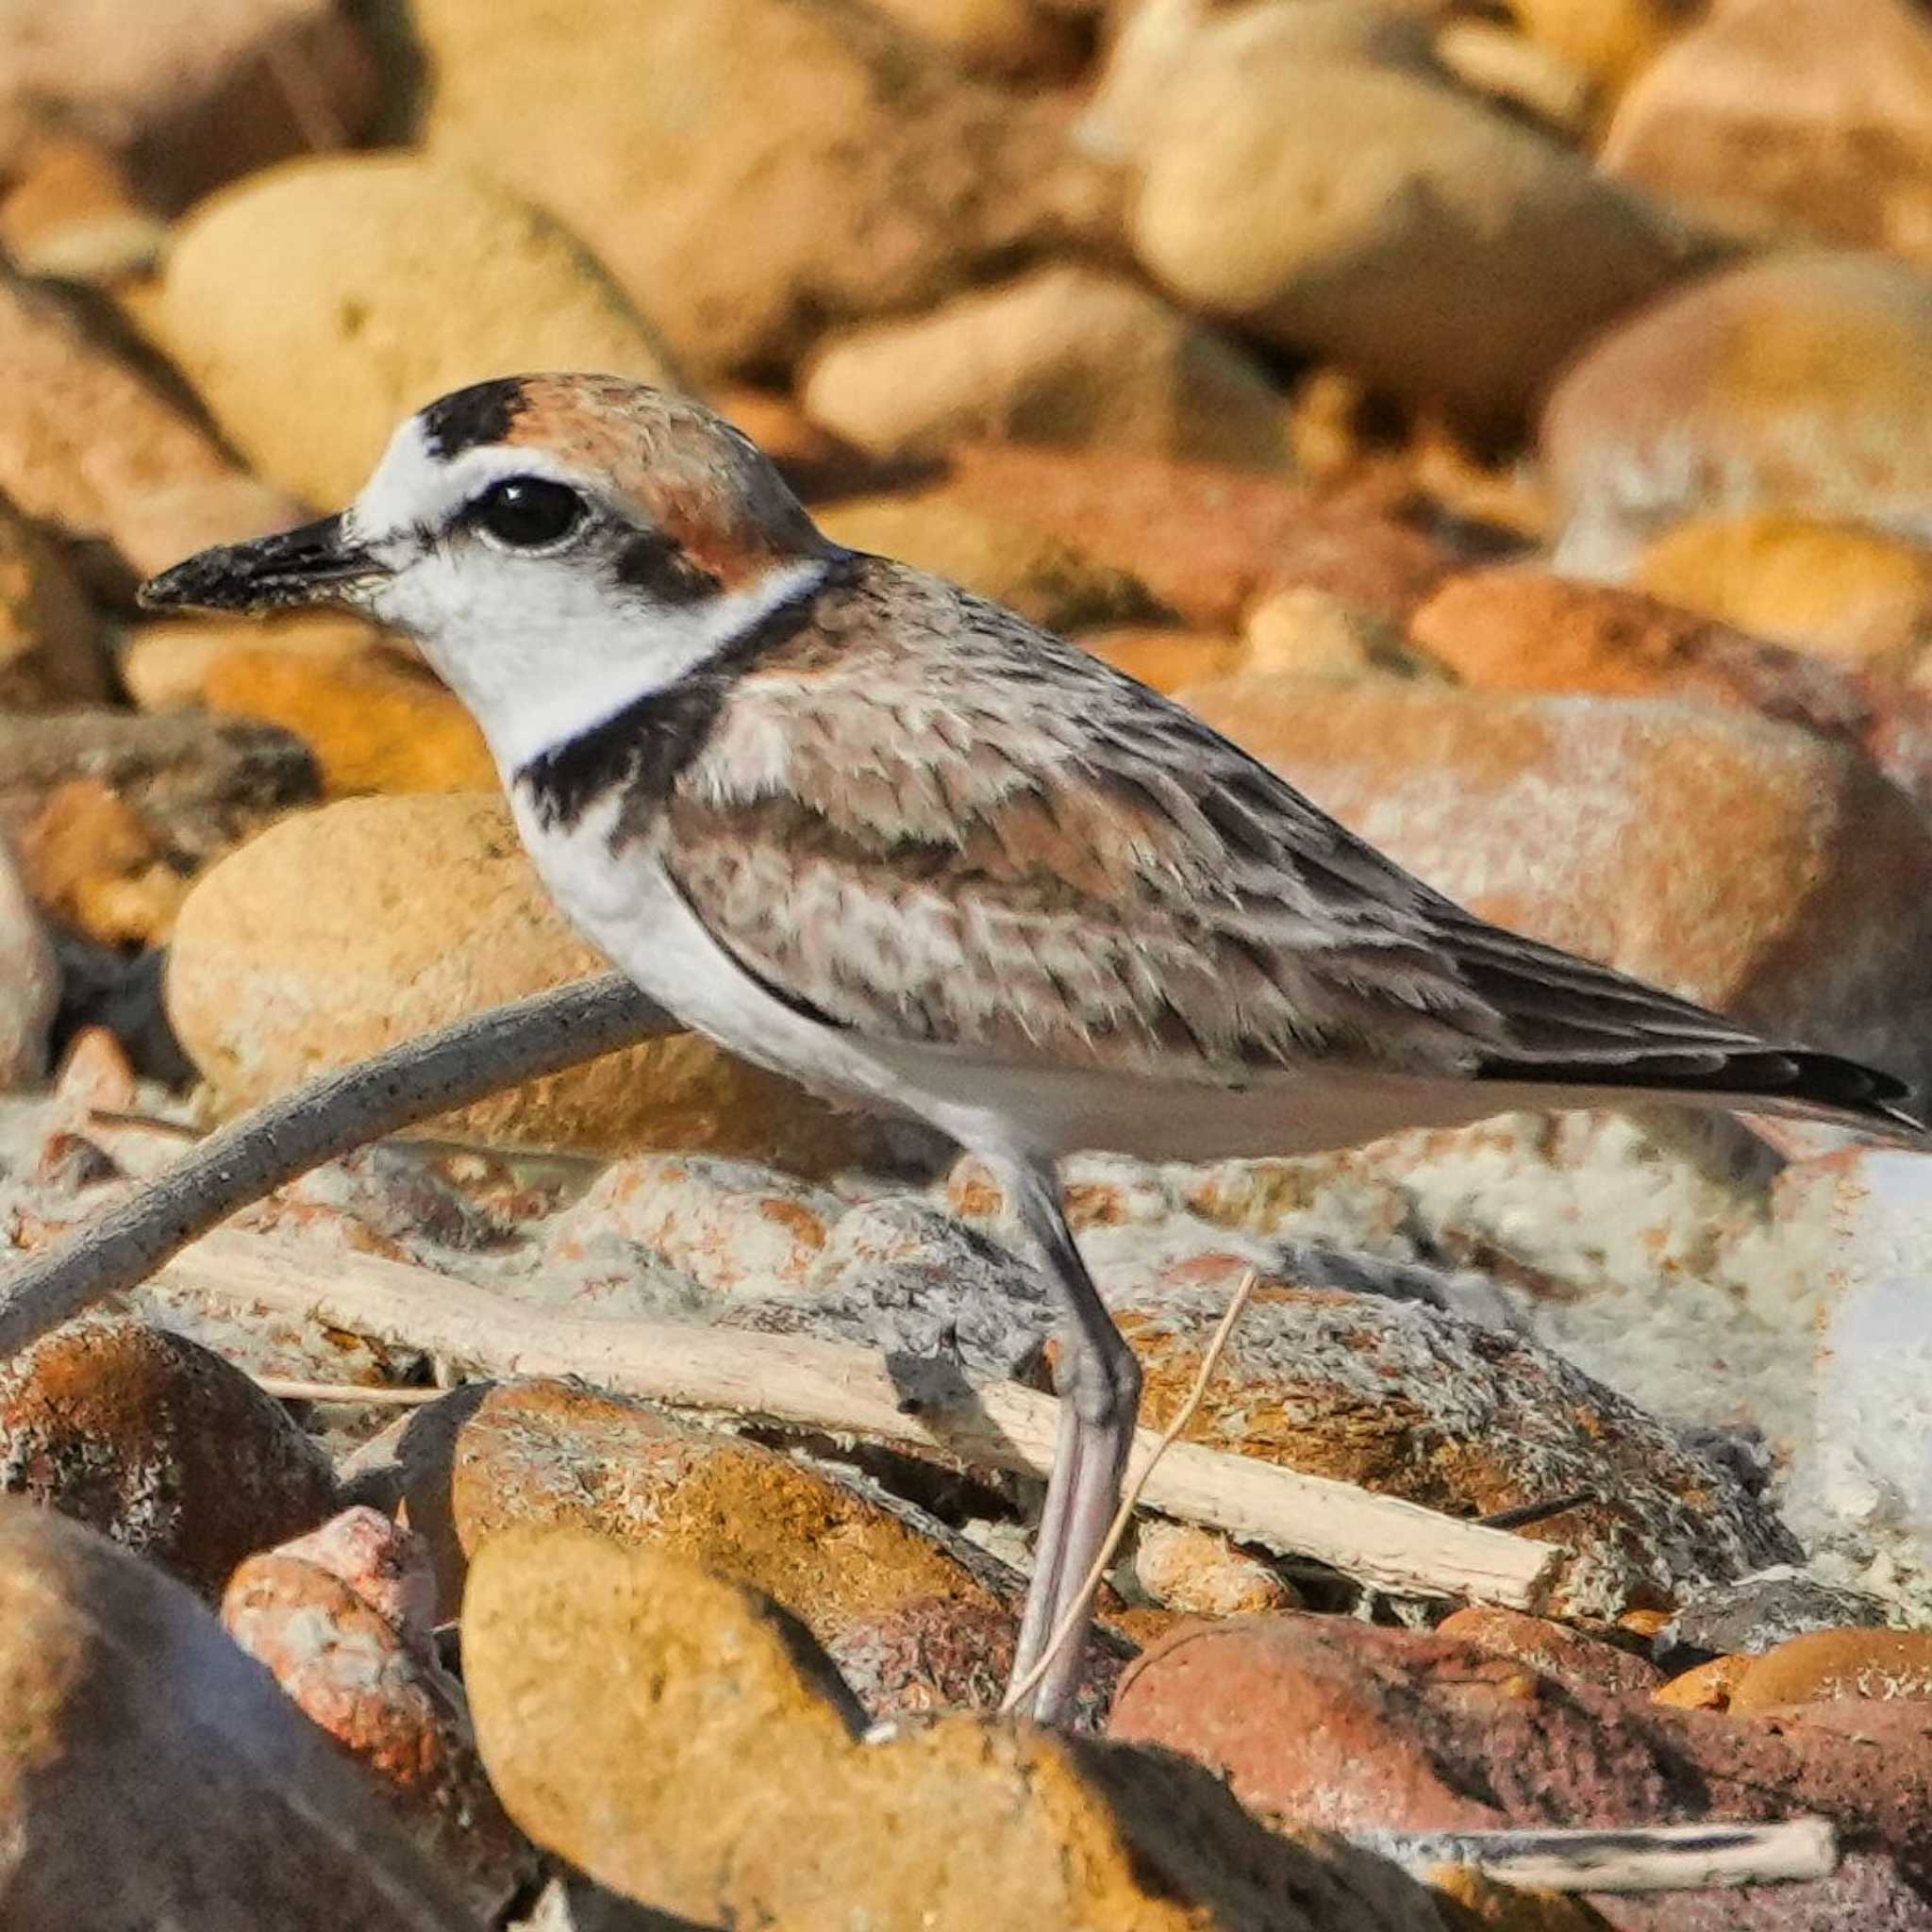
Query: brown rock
{"type": "Point", "coordinates": [1007, 559]}
{"type": "Point", "coordinates": [1794, 383]}
{"type": "Point", "coordinates": [50, 650]}
{"type": "Point", "coordinates": [114, 814]}
{"type": "Point", "coordinates": [185, 96]}
{"type": "Point", "coordinates": [1226, 535]}
{"type": "Point", "coordinates": [341, 1619]}
{"type": "Point", "coordinates": [1703, 1687]}
{"type": "Point", "coordinates": [1400, 1398]}
{"type": "Point", "coordinates": [1324, 1722]}
{"type": "Point", "coordinates": [1824, 1664]}
{"type": "Point", "coordinates": [387, 279]}
{"type": "Point", "coordinates": [1583, 822]}
{"type": "Point", "coordinates": [1553, 1650]}
{"type": "Point", "coordinates": [1066, 354]}
{"type": "Point", "coordinates": [1771, 115]}
{"type": "Point", "coordinates": [1858, 597]}
{"type": "Point", "coordinates": [161, 1445]}
{"type": "Point", "coordinates": [375, 722]}
{"type": "Point", "coordinates": [129, 1801]}
{"type": "Point", "coordinates": [346, 930]}
{"type": "Point", "coordinates": [1015, 39]}
{"type": "Point", "coordinates": [1161, 44]}
{"type": "Point", "coordinates": [856, 170]}
{"type": "Point", "coordinates": [1512, 253]}
{"type": "Point", "coordinates": [718, 1777]}
{"type": "Point", "coordinates": [91, 448]}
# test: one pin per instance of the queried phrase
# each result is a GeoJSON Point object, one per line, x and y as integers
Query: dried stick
{"type": "Point", "coordinates": [792, 1380]}
{"type": "Point", "coordinates": [349, 1394]}
{"type": "Point", "coordinates": [1074, 1616]}
{"type": "Point", "coordinates": [1652, 1857]}
{"type": "Point", "coordinates": [328, 1117]}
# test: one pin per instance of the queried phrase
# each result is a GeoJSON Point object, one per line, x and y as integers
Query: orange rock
{"type": "Point", "coordinates": [341, 1618]}
{"type": "Point", "coordinates": [160, 1443]}
{"type": "Point", "coordinates": [1226, 535]}
{"type": "Point", "coordinates": [1557, 1650]}
{"type": "Point", "coordinates": [374, 723]}
{"type": "Point", "coordinates": [1165, 659]}
{"type": "Point", "coordinates": [1704, 1686]}
{"type": "Point", "coordinates": [1584, 822]}
{"type": "Point", "coordinates": [1824, 1664]}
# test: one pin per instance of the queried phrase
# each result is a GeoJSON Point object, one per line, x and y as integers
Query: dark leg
{"type": "Point", "coordinates": [1099, 1383]}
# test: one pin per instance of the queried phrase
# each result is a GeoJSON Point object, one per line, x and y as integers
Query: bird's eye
{"type": "Point", "coordinates": [528, 512]}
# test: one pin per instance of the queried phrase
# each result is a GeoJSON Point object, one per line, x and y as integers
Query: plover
{"type": "Point", "coordinates": [893, 841]}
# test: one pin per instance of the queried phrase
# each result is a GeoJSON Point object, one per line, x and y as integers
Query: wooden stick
{"type": "Point", "coordinates": [383, 1395]}
{"type": "Point", "coordinates": [1074, 1616]}
{"type": "Point", "coordinates": [334, 1115]}
{"type": "Point", "coordinates": [1656, 1857]}
{"type": "Point", "coordinates": [791, 1380]}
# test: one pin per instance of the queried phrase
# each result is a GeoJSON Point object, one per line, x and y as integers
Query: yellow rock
{"type": "Point", "coordinates": [316, 304]}
{"type": "Point", "coordinates": [342, 931]}
{"type": "Point", "coordinates": [1610, 40]}
{"type": "Point", "coordinates": [680, 1739]}
{"type": "Point", "coordinates": [1306, 632]}
{"type": "Point", "coordinates": [1855, 595]}
{"type": "Point", "coordinates": [375, 725]}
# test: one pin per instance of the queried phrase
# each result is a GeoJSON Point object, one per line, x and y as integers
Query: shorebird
{"type": "Point", "coordinates": [895, 841]}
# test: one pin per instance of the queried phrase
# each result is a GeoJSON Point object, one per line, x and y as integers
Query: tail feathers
{"type": "Point", "coordinates": [1779, 1079]}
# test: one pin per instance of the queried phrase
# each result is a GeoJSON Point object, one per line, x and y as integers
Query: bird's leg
{"type": "Point", "coordinates": [1099, 1385]}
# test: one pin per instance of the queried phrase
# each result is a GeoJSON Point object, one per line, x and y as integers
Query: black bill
{"type": "Point", "coordinates": [310, 564]}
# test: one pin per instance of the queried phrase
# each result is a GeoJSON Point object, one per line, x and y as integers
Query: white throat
{"type": "Point", "coordinates": [563, 678]}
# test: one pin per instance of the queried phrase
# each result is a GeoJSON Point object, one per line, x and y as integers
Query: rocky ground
{"type": "Point", "coordinates": [1509, 419]}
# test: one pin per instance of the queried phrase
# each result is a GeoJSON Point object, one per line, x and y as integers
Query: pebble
{"type": "Point", "coordinates": [342, 931]}
{"type": "Point", "coordinates": [1752, 1614]}
{"type": "Point", "coordinates": [1326, 1722]}
{"type": "Point", "coordinates": [186, 97]}
{"type": "Point", "coordinates": [388, 280]}
{"type": "Point", "coordinates": [681, 1740]}
{"type": "Point", "coordinates": [1228, 536]}
{"type": "Point", "coordinates": [343, 1619]}
{"type": "Point", "coordinates": [842, 199]}
{"type": "Point", "coordinates": [158, 1444]}
{"type": "Point", "coordinates": [1255, 206]}
{"type": "Point", "coordinates": [1822, 1665]}
{"type": "Point", "coordinates": [1742, 393]}
{"type": "Point", "coordinates": [1776, 117]}
{"type": "Point", "coordinates": [151, 1773]}
{"type": "Point", "coordinates": [1006, 557]}
{"type": "Point", "coordinates": [1401, 1398]}
{"type": "Point", "coordinates": [1067, 355]}
{"type": "Point", "coordinates": [861, 1572]}
{"type": "Point", "coordinates": [91, 449]}
{"type": "Point", "coordinates": [115, 813]}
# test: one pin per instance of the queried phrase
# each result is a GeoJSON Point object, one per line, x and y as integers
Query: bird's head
{"type": "Point", "coordinates": [557, 545]}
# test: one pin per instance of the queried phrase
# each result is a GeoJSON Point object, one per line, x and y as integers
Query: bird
{"type": "Point", "coordinates": [895, 841]}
